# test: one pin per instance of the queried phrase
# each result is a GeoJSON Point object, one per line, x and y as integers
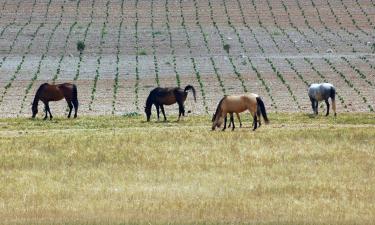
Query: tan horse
{"type": "Point", "coordinates": [237, 104]}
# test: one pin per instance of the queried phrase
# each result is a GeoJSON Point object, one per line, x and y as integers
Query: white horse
{"type": "Point", "coordinates": [320, 92]}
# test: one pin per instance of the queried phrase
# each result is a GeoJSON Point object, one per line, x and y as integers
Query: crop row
{"type": "Point", "coordinates": [235, 70]}
{"type": "Point", "coordinates": [84, 40]}
{"type": "Point", "coordinates": [14, 19]}
{"type": "Point", "coordinates": [44, 55]}
{"type": "Point", "coordinates": [195, 67]}
{"type": "Point", "coordinates": [171, 46]}
{"type": "Point", "coordinates": [153, 33]}
{"type": "Point", "coordinates": [97, 73]}
{"type": "Point", "coordinates": [58, 70]}
{"type": "Point", "coordinates": [115, 84]}
{"type": "Point", "coordinates": [279, 75]}
{"type": "Point", "coordinates": [18, 34]}
{"type": "Point", "coordinates": [205, 39]}
{"type": "Point", "coordinates": [136, 85]}
{"type": "Point", "coordinates": [348, 82]}
{"type": "Point", "coordinates": [354, 21]}
{"type": "Point", "coordinates": [358, 71]}
{"type": "Point", "coordinates": [252, 65]}
{"type": "Point", "coordinates": [19, 66]}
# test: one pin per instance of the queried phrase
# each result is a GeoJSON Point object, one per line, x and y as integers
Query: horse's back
{"type": "Point", "coordinates": [239, 103]}
{"type": "Point", "coordinates": [320, 91]}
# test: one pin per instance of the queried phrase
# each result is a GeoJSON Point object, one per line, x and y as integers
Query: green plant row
{"type": "Point", "coordinates": [153, 46]}
{"type": "Point", "coordinates": [252, 65]}
{"type": "Point", "coordinates": [312, 28]}
{"type": "Point", "coordinates": [97, 73]}
{"type": "Point", "coordinates": [84, 40]}
{"type": "Point", "coordinates": [136, 85]}
{"type": "Point", "coordinates": [354, 21]}
{"type": "Point", "coordinates": [36, 74]}
{"type": "Point", "coordinates": [349, 83]}
{"type": "Point", "coordinates": [19, 66]}
{"type": "Point", "coordinates": [337, 34]}
{"type": "Point", "coordinates": [178, 80]}
{"type": "Point", "coordinates": [358, 71]}
{"type": "Point", "coordinates": [342, 26]}
{"type": "Point", "coordinates": [58, 70]}
{"type": "Point", "coordinates": [11, 46]}
{"type": "Point", "coordinates": [223, 42]}
{"type": "Point", "coordinates": [363, 58]}
{"type": "Point", "coordinates": [14, 19]}
{"type": "Point", "coordinates": [205, 39]}
{"type": "Point", "coordinates": [268, 60]}
{"type": "Point", "coordinates": [116, 80]}
{"type": "Point", "coordinates": [195, 67]}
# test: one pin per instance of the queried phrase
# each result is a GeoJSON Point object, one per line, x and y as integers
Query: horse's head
{"type": "Point", "coordinates": [217, 120]}
{"type": "Point", "coordinates": [148, 113]}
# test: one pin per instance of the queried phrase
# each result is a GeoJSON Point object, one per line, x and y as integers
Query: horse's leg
{"type": "Point", "coordinates": [255, 122]}
{"type": "Point", "coordinates": [46, 110]}
{"type": "Point", "coordinates": [225, 123]}
{"type": "Point", "coordinates": [157, 110]}
{"type": "Point", "coordinates": [316, 107]}
{"type": "Point", "coordinates": [49, 110]}
{"type": "Point", "coordinates": [70, 105]}
{"type": "Point", "coordinates": [239, 119]}
{"type": "Point", "coordinates": [313, 104]}
{"type": "Point", "coordinates": [162, 110]}
{"type": "Point", "coordinates": [327, 103]}
{"type": "Point", "coordinates": [180, 110]}
{"type": "Point", "coordinates": [232, 121]}
{"type": "Point", "coordinates": [75, 104]}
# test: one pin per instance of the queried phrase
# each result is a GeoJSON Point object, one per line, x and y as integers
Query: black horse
{"type": "Point", "coordinates": [167, 96]}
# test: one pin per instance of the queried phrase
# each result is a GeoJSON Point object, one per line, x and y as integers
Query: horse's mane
{"type": "Point", "coordinates": [218, 109]}
{"type": "Point", "coordinates": [37, 94]}
{"type": "Point", "coordinates": [149, 100]}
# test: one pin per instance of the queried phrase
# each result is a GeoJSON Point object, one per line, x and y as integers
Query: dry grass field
{"type": "Point", "coordinates": [115, 170]}
{"type": "Point", "coordinates": [111, 167]}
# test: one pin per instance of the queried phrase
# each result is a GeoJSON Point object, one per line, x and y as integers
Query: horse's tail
{"type": "Point", "coordinates": [260, 104]}
{"type": "Point", "coordinates": [190, 87]}
{"type": "Point", "coordinates": [333, 95]}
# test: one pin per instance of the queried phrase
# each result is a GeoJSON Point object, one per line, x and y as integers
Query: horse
{"type": "Point", "coordinates": [51, 92]}
{"type": "Point", "coordinates": [168, 96]}
{"type": "Point", "coordinates": [320, 92]}
{"type": "Point", "coordinates": [237, 104]}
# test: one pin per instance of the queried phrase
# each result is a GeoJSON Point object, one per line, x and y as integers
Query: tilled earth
{"type": "Point", "coordinates": [273, 48]}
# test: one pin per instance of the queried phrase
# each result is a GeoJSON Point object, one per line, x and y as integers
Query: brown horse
{"type": "Point", "coordinates": [51, 92]}
{"type": "Point", "coordinates": [167, 96]}
{"type": "Point", "coordinates": [237, 104]}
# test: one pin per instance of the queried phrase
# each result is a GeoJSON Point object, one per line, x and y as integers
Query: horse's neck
{"type": "Point", "coordinates": [36, 101]}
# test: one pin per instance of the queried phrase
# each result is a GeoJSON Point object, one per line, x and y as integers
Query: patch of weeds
{"type": "Point", "coordinates": [142, 52]}
{"type": "Point", "coordinates": [81, 46]}
{"type": "Point", "coordinates": [226, 47]}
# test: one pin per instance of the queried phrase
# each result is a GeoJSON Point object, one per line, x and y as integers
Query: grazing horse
{"type": "Point", "coordinates": [51, 92]}
{"type": "Point", "coordinates": [320, 92]}
{"type": "Point", "coordinates": [167, 96]}
{"type": "Point", "coordinates": [237, 104]}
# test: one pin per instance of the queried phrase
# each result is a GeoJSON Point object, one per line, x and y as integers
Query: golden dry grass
{"type": "Point", "coordinates": [112, 170]}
